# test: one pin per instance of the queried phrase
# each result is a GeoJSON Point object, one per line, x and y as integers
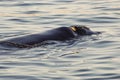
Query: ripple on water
{"type": "Point", "coordinates": [86, 58]}
{"type": "Point", "coordinates": [19, 20]}
{"type": "Point", "coordinates": [32, 4]}
{"type": "Point", "coordinates": [3, 67]}
{"type": "Point", "coordinates": [112, 77]}
{"type": "Point", "coordinates": [93, 20]}
{"type": "Point", "coordinates": [33, 12]}
{"type": "Point", "coordinates": [64, 1]}
{"type": "Point", "coordinates": [23, 77]}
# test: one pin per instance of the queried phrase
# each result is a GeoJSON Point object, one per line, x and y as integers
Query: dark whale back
{"type": "Point", "coordinates": [57, 34]}
{"type": "Point", "coordinates": [61, 33]}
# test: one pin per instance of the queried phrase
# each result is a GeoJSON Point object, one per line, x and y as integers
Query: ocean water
{"type": "Point", "coordinates": [95, 57]}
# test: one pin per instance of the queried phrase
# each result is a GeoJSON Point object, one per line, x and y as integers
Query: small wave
{"type": "Point", "coordinates": [32, 4]}
{"type": "Point", "coordinates": [18, 20]}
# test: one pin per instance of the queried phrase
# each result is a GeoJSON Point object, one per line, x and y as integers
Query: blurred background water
{"type": "Point", "coordinates": [88, 58]}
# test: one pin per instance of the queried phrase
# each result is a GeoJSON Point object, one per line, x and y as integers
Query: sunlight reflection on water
{"type": "Point", "coordinates": [88, 58]}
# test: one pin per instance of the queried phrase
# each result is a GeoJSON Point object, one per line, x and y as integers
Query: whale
{"type": "Point", "coordinates": [56, 34]}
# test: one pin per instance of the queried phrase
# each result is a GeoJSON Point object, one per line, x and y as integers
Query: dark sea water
{"type": "Point", "coordinates": [95, 57]}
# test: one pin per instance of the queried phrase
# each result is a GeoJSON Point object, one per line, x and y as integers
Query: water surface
{"type": "Point", "coordinates": [88, 58]}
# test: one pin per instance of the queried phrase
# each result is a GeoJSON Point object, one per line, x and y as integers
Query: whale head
{"type": "Point", "coordinates": [83, 30]}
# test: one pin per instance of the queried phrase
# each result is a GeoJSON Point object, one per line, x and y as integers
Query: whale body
{"type": "Point", "coordinates": [57, 34]}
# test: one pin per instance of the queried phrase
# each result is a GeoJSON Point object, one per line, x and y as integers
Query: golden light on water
{"type": "Point", "coordinates": [54, 10]}
{"type": "Point", "coordinates": [89, 57]}
{"type": "Point", "coordinates": [19, 15]}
